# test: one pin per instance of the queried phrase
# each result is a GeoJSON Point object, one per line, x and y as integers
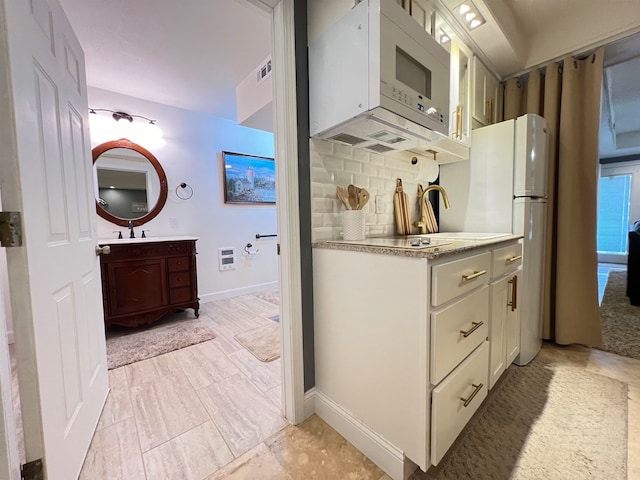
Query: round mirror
{"type": "Point", "coordinates": [130, 183]}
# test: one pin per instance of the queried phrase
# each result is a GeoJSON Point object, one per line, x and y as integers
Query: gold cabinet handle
{"type": "Point", "coordinates": [473, 275]}
{"type": "Point", "coordinates": [513, 259]}
{"type": "Point", "coordinates": [476, 325]}
{"type": "Point", "coordinates": [454, 119]}
{"type": "Point", "coordinates": [460, 122]}
{"type": "Point", "coordinates": [487, 117]}
{"type": "Point", "coordinates": [469, 399]}
{"type": "Point", "coordinates": [514, 293]}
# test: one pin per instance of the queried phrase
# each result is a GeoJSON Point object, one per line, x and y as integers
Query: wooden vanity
{"type": "Point", "coordinates": [143, 279]}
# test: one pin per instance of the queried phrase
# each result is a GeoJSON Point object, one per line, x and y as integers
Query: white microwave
{"type": "Point", "coordinates": [376, 64]}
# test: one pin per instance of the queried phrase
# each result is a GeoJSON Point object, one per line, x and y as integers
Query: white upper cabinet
{"type": "Point", "coordinates": [460, 92]}
{"type": "Point", "coordinates": [486, 97]}
{"type": "Point", "coordinates": [421, 11]}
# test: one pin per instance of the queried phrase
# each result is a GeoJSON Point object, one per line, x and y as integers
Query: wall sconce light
{"type": "Point", "coordinates": [103, 128]}
{"type": "Point", "coordinates": [470, 15]}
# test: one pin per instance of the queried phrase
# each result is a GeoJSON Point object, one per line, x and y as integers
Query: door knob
{"type": "Point", "coordinates": [106, 250]}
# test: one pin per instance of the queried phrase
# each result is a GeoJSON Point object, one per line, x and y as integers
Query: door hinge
{"type": "Point", "coordinates": [32, 470]}
{"type": "Point", "coordinates": [10, 229]}
{"type": "Point", "coordinates": [278, 250]}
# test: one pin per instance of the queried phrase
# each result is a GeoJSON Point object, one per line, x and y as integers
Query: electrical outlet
{"type": "Point", "coordinates": [379, 204]}
{"type": "Point", "coordinates": [173, 221]}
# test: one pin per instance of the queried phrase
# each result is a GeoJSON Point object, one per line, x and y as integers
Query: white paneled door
{"type": "Point", "coordinates": [54, 277]}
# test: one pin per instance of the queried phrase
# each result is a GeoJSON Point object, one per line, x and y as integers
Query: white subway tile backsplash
{"type": "Point", "coordinates": [335, 164]}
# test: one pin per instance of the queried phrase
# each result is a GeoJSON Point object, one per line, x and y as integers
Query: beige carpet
{"type": "Point", "coordinates": [620, 319]}
{"type": "Point", "coordinates": [263, 342]}
{"type": "Point", "coordinates": [543, 421]}
{"type": "Point", "coordinates": [125, 346]}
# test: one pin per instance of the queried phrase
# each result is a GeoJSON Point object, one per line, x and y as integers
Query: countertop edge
{"type": "Point", "coordinates": [455, 247]}
{"type": "Point", "coordinates": [139, 240]}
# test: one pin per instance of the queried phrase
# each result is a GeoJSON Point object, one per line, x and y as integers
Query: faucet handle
{"type": "Point", "coordinates": [119, 232]}
{"type": "Point", "coordinates": [143, 234]}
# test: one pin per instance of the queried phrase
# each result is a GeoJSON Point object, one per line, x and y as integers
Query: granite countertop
{"type": "Point", "coordinates": [111, 241]}
{"type": "Point", "coordinates": [453, 246]}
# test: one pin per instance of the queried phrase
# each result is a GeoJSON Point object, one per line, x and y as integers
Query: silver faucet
{"type": "Point", "coordinates": [422, 223]}
{"type": "Point", "coordinates": [131, 234]}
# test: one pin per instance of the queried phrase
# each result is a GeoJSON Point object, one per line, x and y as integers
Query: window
{"type": "Point", "coordinates": [613, 213]}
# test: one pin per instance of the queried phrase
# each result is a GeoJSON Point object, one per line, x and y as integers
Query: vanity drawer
{"type": "Point", "coordinates": [506, 260]}
{"type": "Point", "coordinates": [449, 414]}
{"type": "Point", "coordinates": [448, 280]}
{"type": "Point", "coordinates": [179, 279]}
{"type": "Point", "coordinates": [449, 346]}
{"type": "Point", "coordinates": [179, 264]}
{"type": "Point", "coordinates": [180, 294]}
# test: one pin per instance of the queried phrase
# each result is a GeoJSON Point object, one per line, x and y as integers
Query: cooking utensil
{"type": "Point", "coordinates": [401, 205]}
{"type": "Point", "coordinates": [432, 224]}
{"type": "Point", "coordinates": [353, 197]}
{"type": "Point", "coordinates": [363, 198]}
{"type": "Point", "coordinates": [342, 194]}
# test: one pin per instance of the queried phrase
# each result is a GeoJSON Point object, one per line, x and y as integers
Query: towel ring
{"type": "Point", "coordinates": [184, 191]}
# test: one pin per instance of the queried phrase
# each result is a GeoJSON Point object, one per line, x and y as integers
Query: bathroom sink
{"type": "Point", "coordinates": [466, 235]}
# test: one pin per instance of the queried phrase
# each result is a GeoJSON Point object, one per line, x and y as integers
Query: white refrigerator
{"type": "Point", "coordinates": [502, 188]}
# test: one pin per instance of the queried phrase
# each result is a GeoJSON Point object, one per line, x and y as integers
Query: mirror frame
{"type": "Point", "coordinates": [162, 198]}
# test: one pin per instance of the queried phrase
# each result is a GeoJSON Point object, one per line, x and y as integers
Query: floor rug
{"type": "Point", "coordinates": [263, 342]}
{"type": "Point", "coordinates": [125, 346]}
{"type": "Point", "coordinates": [620, 319]}
{"type": "Point", "coordinates": [543, 421]}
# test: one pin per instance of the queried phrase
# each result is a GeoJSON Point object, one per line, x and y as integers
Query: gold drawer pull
{"type": "Point", "coordinates": [476, 325]}
{"type": "Point", "coordinates": [473, 275]}
{"type": "Point", "coordinates": [467, 401]}
{"type": "Point", "coordinates": [513, 259]}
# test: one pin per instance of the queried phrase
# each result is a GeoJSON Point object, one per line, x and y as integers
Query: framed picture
{"type": "Point", "coordinates": [248, 179]}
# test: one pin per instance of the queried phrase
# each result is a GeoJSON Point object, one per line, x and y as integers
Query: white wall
{"type": "Point", "coordinates": [335, 164]}
{"type": "Point", "coordinates": [191, 153]}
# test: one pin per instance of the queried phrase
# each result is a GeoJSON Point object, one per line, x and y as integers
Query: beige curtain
{"type": "Point", "coordinates": [567, 95]}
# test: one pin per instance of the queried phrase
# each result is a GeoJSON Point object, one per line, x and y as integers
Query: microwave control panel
{"type": "Point", "coordinates": [415, 102]}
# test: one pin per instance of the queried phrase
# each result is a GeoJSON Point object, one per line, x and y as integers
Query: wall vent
{"type": "Point", "coordinates": [263, 72]}
{"type": "Point", "coordinates": [226, 258]}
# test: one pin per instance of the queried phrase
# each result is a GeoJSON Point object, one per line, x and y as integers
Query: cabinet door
{"type": "Point", "coordinates": [497, 329]}
{"type": "Point", "coordinates": [421, 11]}
{"type": "Point", "coordinates": [137, 286]}
{"type": "Point", "coordinates": [512, 326]}
{"type": "Point", "coordinates": [492, 86]}
{"type": "Point", "coordinates": [460, 92]}
{"type": "Point", "coordinates": [479, 112]}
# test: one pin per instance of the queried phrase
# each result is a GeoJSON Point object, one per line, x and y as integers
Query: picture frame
{"type": "Point", "coordinates": [248, 179]}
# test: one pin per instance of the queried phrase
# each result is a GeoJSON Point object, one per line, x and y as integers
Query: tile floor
{"type": "Point", "coordinates": [212, 412]}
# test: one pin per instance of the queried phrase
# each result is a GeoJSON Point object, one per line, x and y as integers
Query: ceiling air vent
{"type": "Point", "coordinates": [346, 138]}
{"type": "Point", "coordinates": [379, 148]}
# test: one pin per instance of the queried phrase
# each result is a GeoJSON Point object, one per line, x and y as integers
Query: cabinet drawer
{"type": "Point", "coordinates": [455, 278]}
{"type": "Point", "coordinates": [506, 260]}
{"type": "Point", "coordinates": [180, 294]}
{"type": "Point", "coordinates": [448, 412]}
{"type": "Point", "coordinates": [449, 346]}
{"type": "Point", "coordinates": [179, 279]}
{"type": "Point", "coordinates": [178, 264]}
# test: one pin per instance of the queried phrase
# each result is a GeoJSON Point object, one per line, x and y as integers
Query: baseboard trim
{"type": "Point", "coordinates": [376, 448]}
{"type": "Point", "coordinates": [309, 406]}
{"type": "Point", "coordinates": [234, 292]}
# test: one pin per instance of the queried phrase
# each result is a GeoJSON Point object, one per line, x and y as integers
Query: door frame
{"type": "Point", "coordinates": [287, 205]}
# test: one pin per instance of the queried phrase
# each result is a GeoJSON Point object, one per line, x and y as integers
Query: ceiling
{"type": "Point", "coordinates": [193, 58]}
{"type": "Point", "coordinates": [190, 58]}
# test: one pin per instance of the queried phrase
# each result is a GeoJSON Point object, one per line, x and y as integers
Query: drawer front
{"type": "Point", "coordinates": [179, 264]}
{"type": "Point", "coordinates": [180, 294]}
{"type": "Point", "coordinates": [506, 260]}
{"type": "Point", "coordinates": [455, 278]}
{"type": "Point", "coordinates": [449, 345]}
{"type": "Point", "coordinates": [448, 412]}
{"type": "Point", "coordinates": [179, 279]}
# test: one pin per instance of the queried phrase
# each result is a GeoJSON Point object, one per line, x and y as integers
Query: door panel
{"type": "Point", "coordinates": [54, 278]}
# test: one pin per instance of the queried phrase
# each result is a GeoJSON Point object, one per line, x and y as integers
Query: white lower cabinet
{"type": "Point", "coordinates": [407, 348]}
{"type": "Point", "coordinates": [504, 330]}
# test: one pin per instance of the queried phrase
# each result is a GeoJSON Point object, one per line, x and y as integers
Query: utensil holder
{"type": "Point", "coordinates": [353, 225]}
